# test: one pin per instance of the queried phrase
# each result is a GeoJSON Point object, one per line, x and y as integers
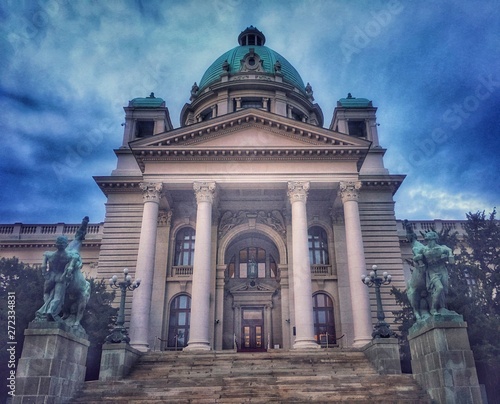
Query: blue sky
{"type": "Point", "coordinates": [68, 68]}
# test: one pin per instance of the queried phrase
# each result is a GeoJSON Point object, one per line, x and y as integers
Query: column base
{"type": "Point", "coordinates": [141, 347]}
{"type": "Point", "coordinates": [306, 344]}
{"type": "Point", "coordinates": [361, 342]}
{"type": "Point", "coordinates": [197, 346]}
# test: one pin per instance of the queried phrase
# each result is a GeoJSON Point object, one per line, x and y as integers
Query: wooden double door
{"type": "Point", "coordinates": [252, 329]}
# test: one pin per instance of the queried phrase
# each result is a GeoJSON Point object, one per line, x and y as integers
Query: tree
{"type": "Point", "coordinates": [475, 293]}
{"type": "Point", "coordinates": [26, 283]}
{"type": "Point", "coordinates": [98, 321]}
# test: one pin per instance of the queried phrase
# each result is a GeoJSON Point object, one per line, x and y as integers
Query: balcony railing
{"type": "Point", "coordinates": [321, 270]}
{"type": "Point", "coordinates": [186, 271]}
{"type": "Point", "coordinates": [182, 271]}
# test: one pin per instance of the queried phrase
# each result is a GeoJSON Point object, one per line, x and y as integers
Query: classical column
{"type": "Point", "coordinates": [200, 296]}
{"type": "Point", "coordinates": [141, 302]}
{"type": "Point", "coordinates": [360, 301]}
{"type": "Point", "coordinates": [304, 322]}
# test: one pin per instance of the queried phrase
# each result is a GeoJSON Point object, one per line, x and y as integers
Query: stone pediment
{"type": "Point", "coordinates": [248, 134]}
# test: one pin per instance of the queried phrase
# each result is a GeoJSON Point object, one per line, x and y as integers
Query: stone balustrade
{"type": "Point", "coordinates": [435, 225]}
{"type": "Point", "coordinates": [21, 231]}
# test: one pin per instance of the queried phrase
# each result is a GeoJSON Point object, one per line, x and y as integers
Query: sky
{"type": "Point", "coordinates": [67, 69]}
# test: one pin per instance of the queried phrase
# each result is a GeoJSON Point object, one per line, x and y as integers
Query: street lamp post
{"type": "Point", "coordinates": [381, 329]}
{"type": "Point", "coordinates": [120, 333]}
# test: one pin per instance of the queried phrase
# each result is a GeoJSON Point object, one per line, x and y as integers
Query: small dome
{"type": "Point", "coordinates": [147, 102]}
{"type": "Point", "coordinates": [353, 102]}
{"type": "Point", "coordinates": [230, 62]}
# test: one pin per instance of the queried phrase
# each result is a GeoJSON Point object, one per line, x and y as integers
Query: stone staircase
{"type": "Point", "coordinates": [321, 376]}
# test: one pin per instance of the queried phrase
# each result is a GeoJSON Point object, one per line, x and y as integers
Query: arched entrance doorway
{"type": "Point", "coordinates": [252, 292]}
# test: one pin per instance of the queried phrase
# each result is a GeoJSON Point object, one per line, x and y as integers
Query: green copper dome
{"type": "Point", "coordinates": [147, 102]}
{"type": "Point", "coordinates": [353, 102]}
{"type": "Point", "coordinates": [249, 39]}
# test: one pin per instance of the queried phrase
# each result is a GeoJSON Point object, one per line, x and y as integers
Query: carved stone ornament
{"type": "Point", "coordinates": [349, 190]}
{"type": "Point", "coordinates": [165, 218]}
{"type": "Point", "coordinates": [298, 190]}
{"type": "Point", "coordinates": [204, 191]}
{"type": "Point", "coordinates": [273, 219]}
{"type": "Point", "coordinates": [231, 219]}
{"type": "Point", "coordinates": [151, 191]}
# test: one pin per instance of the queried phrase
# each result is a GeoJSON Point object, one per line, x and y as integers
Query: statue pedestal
{"type": "Point", "coordinates": [442, 360]}
{"type": "Point", "coordinates": [383, 353]}
{"type": "Point", "coordinates": [52, 364]}
{"type": "Point", "coordinates": [117, 360]}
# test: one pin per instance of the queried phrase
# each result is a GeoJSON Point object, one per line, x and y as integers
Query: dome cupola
{"type": "Point", "coordinates": [251, 75]}
{"type": "Point", "coordinates": [251, 37]}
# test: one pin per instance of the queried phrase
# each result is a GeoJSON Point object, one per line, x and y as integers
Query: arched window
{"type": "Point", "coordinates": [252, 262]}
{"type": "Point", "coordinates": [318, 246]}
{"type": "Point", "coordinates": [178, 324]}
{"type": "Point", "coordinates": [184, 247]}
{"type": "Point", "coordinates": [324, 324]}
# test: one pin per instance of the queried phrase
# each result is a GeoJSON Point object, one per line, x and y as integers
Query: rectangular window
{"type": "Point", "coordinates": [357, 128]}
{"type": "Point", "coordinates": [144, 128]}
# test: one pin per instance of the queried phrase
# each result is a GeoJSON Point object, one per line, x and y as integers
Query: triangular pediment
{"type": "Point", "coordinates": [249, 134]}
{"type": "Point", "coordinates": [249, 128]}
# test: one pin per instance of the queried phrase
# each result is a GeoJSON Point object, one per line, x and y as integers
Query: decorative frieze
{"type": "Point", "coordinates": [151, 191]}
{"type": "Point", "coordinates": [349, 190]}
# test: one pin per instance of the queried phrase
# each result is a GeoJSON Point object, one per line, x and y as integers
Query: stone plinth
{"type": "Point", "coordinates": [383, 353]}
{"type": "Point", "coordinates": [52, 365]}
{"type": "Point", "coordinates": [117, 360]}
{"type": "Point", "coordinates": [442, 360]}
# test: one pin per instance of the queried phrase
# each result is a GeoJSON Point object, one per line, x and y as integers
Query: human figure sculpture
{"type": "Point", "coordinates": [428, 286]}
{"type": "Point", "coordinates": [66, 292]}
{"type": "Point", "coordinates": [417, 285]}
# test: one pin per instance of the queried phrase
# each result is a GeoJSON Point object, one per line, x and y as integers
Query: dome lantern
{"type": "Point", "coordinates": [251, 37]}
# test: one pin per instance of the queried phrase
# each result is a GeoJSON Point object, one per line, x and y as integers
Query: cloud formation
{"type": "Point", "coordinates": [69, 67]}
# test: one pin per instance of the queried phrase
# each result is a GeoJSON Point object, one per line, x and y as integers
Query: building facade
{"type": "Point", "coordinates": [250, 225]}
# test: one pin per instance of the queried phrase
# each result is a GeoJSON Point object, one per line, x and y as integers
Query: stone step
{"type": "Point", "coordinates": [272, 377]}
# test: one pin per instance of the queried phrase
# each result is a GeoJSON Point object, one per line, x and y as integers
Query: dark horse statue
{"type": "Point", "coordinates": [66, 291]}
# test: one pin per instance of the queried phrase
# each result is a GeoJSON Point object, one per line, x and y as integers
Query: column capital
{"type": "Point", "coordinates": [151, 191]}
{"type": "Point", "coordinates": [204, 191]}
{"type": "Point", "coordinates": [349, 190]}
{"type": "Point", "coordinates": [165, 218]}
{"type": "Point", "coordinates": [298, 190]}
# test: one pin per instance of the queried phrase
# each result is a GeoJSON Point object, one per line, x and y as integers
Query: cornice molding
{"type": "Point", "coordinates": [118, 184]}
{"type": "Point", "coordinates": [392, 182]}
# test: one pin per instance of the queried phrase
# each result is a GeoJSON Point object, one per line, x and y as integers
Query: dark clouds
{"type": "Point", "coordinates": [68, 68]}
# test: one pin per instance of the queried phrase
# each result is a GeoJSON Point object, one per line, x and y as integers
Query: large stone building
{"type": "Point", "coordinates": [251, 224]}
